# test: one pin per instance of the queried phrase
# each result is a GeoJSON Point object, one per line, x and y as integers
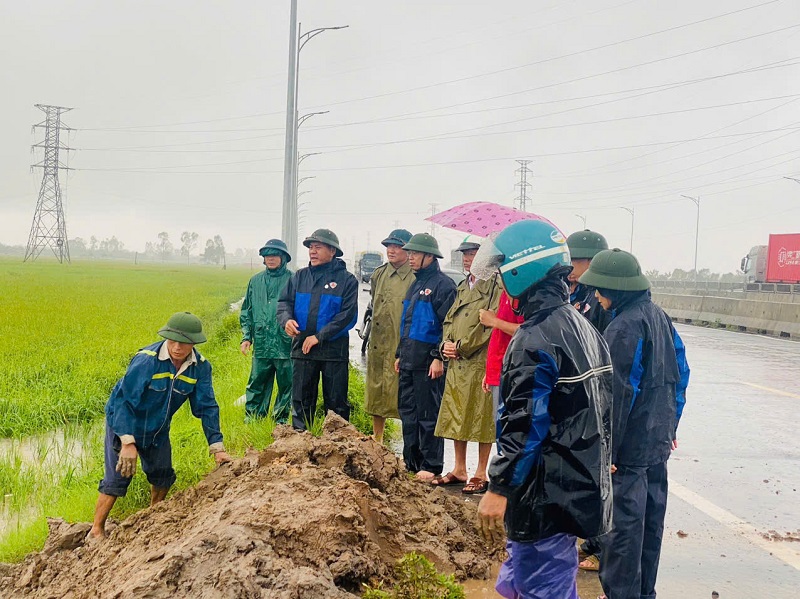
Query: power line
{"type": "Point", "coordinates": [536, 63]}
{"type": "Point", "coordinates": [451, 162]}
{"type": "Point", "coordinates": [577, 53]}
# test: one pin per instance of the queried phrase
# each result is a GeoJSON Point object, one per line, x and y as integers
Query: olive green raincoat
{"type": "Point", "coordinates": [466, 412]}
{"type": "Point", "coordinates": [389, 287]}
{"type": "Point", "coordinates": [271, 345]}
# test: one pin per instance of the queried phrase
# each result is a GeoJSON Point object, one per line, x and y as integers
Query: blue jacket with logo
{"type": "Point", "coordinates": [650, 380]}
{"type": "Point", "coordinates": [144, 401]}
{"type": "Point", "coordinates": [427, 302]}
{"type": "Point", "coordinates": [324, 302]}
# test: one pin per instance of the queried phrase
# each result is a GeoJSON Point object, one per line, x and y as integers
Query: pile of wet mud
{"type": "Point", "coordinates": [307, 517]}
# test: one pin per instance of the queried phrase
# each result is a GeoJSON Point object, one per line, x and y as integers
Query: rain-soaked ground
{"type": "Point", "coordinates": [733, 519]}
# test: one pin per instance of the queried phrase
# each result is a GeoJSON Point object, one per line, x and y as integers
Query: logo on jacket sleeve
{"type": "Point", "coordinates": [427, 292]}
{"type": "Point", "coordinates": [333, 284]}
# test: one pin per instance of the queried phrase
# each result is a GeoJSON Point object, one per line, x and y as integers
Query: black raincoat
{"type": "Point", "coordinates": [554, 432]}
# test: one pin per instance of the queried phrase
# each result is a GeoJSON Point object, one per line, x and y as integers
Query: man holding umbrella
{"type": "Point", "coordinates": [466, 412]}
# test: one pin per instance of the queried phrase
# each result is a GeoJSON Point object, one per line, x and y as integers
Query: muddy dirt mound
{"type": "Point", "coordinates": [307, 517]}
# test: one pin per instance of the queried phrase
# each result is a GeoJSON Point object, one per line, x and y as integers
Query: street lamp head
{"type": "Point", "coordinates": [695, 200]}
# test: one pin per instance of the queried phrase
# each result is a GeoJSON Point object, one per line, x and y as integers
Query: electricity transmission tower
{"type": "Point", "coordinates": [433, 211]}
{"type": "Point", "coordinates": [522, 199]}
{"type": "Point", "coordinates": [49, 229]}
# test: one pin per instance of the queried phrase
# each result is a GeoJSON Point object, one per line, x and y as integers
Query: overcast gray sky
{"type": "Point", "coordinates": [180, 109]}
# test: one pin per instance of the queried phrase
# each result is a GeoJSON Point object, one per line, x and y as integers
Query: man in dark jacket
{"type": "Point", "coordinates": [650, 379]}
{"type": "Point", "coordinates": [160, 379]}
{"type": "Point", "coordinates": [317, 308]}
{"type": "Point", "coordinates": [418, 361]}
{"type": "Point", "coordinates": [261, 331]}
{"type": "Point", "coordinates": [583, 246]}
{"type": "Point", "coordinates": [551, 480]}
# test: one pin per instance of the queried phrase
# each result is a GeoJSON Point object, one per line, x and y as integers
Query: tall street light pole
{"type": "Point", "coordinates": [631, 212]}
{"type": "Point", "coordinates": [296, 43]}
{"type": "Point", "coordinates": [583, 218]}
{"type": "Point", "coordinates": [696, 230]}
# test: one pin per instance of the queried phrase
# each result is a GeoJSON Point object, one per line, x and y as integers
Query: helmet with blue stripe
{"type": "Point", "coordinates": [526, 252]}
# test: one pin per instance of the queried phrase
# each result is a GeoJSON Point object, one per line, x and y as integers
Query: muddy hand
{"type": "Point", "coordinates": [126, 464]}
{"type": "Point", "coordinates": [491, 512]}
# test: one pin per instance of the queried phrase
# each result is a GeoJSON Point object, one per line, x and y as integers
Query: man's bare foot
{"type": "Point", "coordinates": [93, 537]}
{"type": "Point", "coordinates": [425, 476]}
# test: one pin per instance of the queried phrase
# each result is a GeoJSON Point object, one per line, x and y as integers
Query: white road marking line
{"type": "Point", "coordinates": [771, 390]}
{"type": "Point", "coordinates": [780, 549]}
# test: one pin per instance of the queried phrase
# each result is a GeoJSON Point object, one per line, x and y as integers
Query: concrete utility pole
{"type": "Point", "coordinates": [297, 40]}
{"type": "Point", "coordinates": [696, 230]}
{"type": "Point", "coordinates": [49, 227]}
{"type": "Point", "coordinates": [631, 212]}
{"type": "Point", "coordinates": [522, 198]}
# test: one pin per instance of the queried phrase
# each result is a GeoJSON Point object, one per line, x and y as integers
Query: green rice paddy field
{"type": "Point", "coordinates": [67, 333]}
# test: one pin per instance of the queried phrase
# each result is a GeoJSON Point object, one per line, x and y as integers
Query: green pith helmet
{"type": "Point", "coordinates": [397, 237]}
{"type": "Point", "coordinates": [423, 242]}
{"type": "Point", "coordinates": [471, 242]}
{"type": "Point", "coordinates": [183, 327]}
{"type": "Point", "coordinates": [275, 245]}
{"type": "Point", "coordinates": [586, 244]}
{"type": "Point", "coordinates": [325, 236]}
{"type": "Point", "coordinates": [617, 270]}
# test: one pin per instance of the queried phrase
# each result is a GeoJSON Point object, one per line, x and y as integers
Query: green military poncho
{"type": "Point", "coordinates": [389, 287]}
{"type": "Point", "coordinates": [466, 412]}
{"type": "Point", "coordinates": [259, 319]}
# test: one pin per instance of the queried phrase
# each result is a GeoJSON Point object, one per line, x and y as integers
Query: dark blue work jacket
{"type": "Point", "coordinates": [427, 302]}
{"type": "Point", "coordinates": [650, 379]}
{"type": "Point", "coordinates": [324, 302]}
{"type": "Point", "coordinates": [144, 401]}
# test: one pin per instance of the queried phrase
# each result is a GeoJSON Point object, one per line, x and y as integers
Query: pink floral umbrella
{"type": "Point", "coordinates": [482, 218]}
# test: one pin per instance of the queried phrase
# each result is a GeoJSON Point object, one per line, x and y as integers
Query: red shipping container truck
{"type": "Point", "coordinates": [783, 258]}
{"type": "Point", "coordinates": [778, 262]}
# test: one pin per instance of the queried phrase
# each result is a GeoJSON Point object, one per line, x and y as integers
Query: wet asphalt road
{"type": "Point", "coordinates": [735, 478]}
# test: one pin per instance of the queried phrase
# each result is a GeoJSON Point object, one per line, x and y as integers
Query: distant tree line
{"type": "Point", "coordinates": [162, 249]}
{"type": "Point", "coordinates": [703, 275]}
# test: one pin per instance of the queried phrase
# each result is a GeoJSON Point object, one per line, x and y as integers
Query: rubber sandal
{"type": "Point", "coordinates": [475, 486]}
{"type": "Point", "coordinates": [447, 480]}
{"type": "Point", "coordinates": [594, 564]}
